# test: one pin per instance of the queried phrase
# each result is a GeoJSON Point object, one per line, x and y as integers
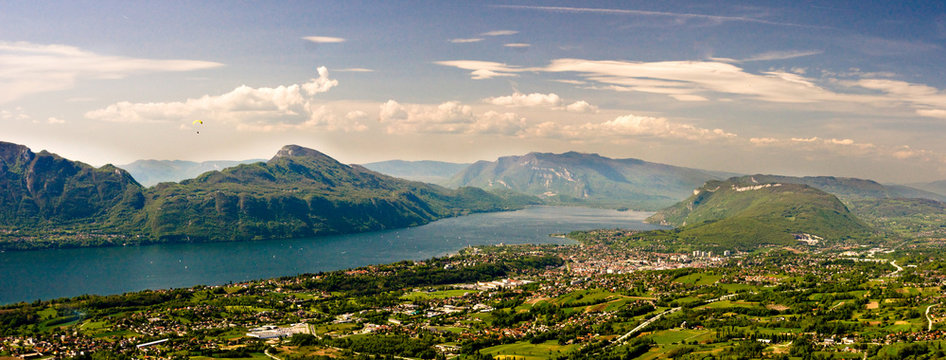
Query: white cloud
{"type": "Point", "coordinates": [250, 109]}
{"type": "Point", "coordinates": [630, 126]}
{"type": "Point", "coordinates": [447, 118]}
{"type": "Point", "coordinates": [466, 41]}
{"type": "Point", "coordinates": [357, 115]}
{"type": "Point", "coordinates": [550, 101]}
{"type": "Point", "coordinates": [482, 69]}
{"type": "Point", "coordinates": [54, 120]}
{"type": "Point", "coordinates": [27, 68]}
{"type": "Point", "coordinates": [763, 141]}
{"type": "Point", "coordinates": [656, 127]}
{"type": "Point", "coordinates": [698, 80]}
{"type": "Point", "coordinates": [688, 97]}
{"type": "Point", "coordinates": [320, 84]}
{"type": "Point", "coordinates": [806, 140]}
{"type": "Point", "coordinates": [526, 100]}
{"type": "Point", "coordinates": [354, 70]}
{"type": "Point", "coordinates": [573, 82]}
{"type": "Point", "coordinates": [16, 114]}
{"type": "Point", "coordinates": [517, 45]}
{"type": "Point", "coordinates": [926, 100]}
{"type": "Point", "coordinates": [690, 80]}
{"type": "Point", "coordinates": [581, 106]}
{"type": "Point", "coordinates": [680, 18]}
{"type": "Point", "coordinates": [937, 113]}
{"type": "Point", "coordinates": [324, 39]}
{"type": "Point", "coordinates": [782, 55]}
{"type": "Point", "coordinates": [499, 33]}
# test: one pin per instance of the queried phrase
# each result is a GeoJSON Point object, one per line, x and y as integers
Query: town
{"type": "Point", "coordinates": [600, 299]}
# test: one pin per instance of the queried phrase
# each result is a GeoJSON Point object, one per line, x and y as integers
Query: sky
{"type": "Point", "coordinates": [841, 88]}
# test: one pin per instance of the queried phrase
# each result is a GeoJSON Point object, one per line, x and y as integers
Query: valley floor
{"type": "Point", "coordinates": [599, 300]}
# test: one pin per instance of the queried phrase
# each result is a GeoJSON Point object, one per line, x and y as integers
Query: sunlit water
{"type": "Point", "coordinates": [47, 274]}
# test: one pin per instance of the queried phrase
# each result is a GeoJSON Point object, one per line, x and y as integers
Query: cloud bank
{"type": "Point", "coordinates": [28, 69]}
{"type": "Point", "coordinates": [252, 109]}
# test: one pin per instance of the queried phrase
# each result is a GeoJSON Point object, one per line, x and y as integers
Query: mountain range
{"type": "Point", "coordinates": [299, 192]}
{"type": "Point", "coordinates": [591, 179]}
{"type": "Point", "coordinates": [436, 172]}
{"type": "Point", "coordinates": [152, 172]}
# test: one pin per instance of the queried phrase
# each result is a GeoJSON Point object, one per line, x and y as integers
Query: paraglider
{"type": "Point", "coordinates": [197, 122]}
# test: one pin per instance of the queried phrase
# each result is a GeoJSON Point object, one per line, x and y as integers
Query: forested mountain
{"type": "Point", "coordinates": [849, 188]}
{"type": "Point", "coordinates": [587, 179]}
{"type": "Point", "coordinates": [740, 213]}
{"type": "Point", "coordinates": [37, 189]}
{"type": "Point", "coordinates": [299, 192]}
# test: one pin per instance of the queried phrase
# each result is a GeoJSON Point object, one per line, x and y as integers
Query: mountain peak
{"type": "Point", "coordinates": [298, 151]}
{"type": "Point", "coordinates": [9, 152]}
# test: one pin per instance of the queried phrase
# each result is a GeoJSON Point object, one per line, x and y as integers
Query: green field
{"type": "Point", "coordinates": [699, 279]}
{"type": "Point", "coordinates": [259, 356]}
{"type": "Point", "coordinates": [443, 294]}
{"type": "Point", "coordinates": [527, 351]}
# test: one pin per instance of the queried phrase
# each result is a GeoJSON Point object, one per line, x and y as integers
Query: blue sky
{"type": "Point", "coordinates": [816, 88]}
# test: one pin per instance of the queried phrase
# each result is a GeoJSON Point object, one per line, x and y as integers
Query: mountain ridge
{"type": "Point", "coordinates": [298, 192]}
{"type": "Point", "coordinates": [742, 213]}
{"type": "Point", "coordinates": [583, 178]}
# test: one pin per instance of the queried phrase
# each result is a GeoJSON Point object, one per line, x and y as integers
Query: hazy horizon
{"type": "Point", "coordinates": [844, 89]}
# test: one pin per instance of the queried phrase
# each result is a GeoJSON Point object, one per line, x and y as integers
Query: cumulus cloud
{"type": "Point", "coordinates": [656, 127]}
{"type": "Point", "coordinates": [550, 100]}
{"type": "Point", "coordinates": [324, 39]}
{"type": "Point", "coordinates": [27, 68]}
{"type": "Point", "coordinates": [450, 117]}
{"type": "Point", "coordinates": [526, 100]}
{"type": "Point", "coordinates": [763, 141]}
{"type": "Point", "coordinates": [320, 84]}
{"type": "Point", "coordinates": [254, 109]}
{"type": "Point", "coordinates": [581, 106]}
{"type": "Point", "coordinates": [630, 126]}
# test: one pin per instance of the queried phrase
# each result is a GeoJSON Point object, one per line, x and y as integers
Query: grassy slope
{"type": "Point", "coordinates": [721, 217]}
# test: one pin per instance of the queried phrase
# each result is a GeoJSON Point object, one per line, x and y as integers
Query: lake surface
{"type": "Point", "coordinates": [49, 274]}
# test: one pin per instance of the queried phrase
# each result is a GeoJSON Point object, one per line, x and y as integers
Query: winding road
{"type": "Point", "coordinates": [644, 324]}
{"type": "Point", "coordinates": [928, 318]}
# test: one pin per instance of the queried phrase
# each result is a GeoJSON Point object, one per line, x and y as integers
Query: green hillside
{"type": "Point", "coordinates": [299, 192]}
{"type": "Point", "coordinates": [588, 179]}
{"type": "Point", "coordinates": [39, 190]}
{"type": "Point", "coordinates": [740, 215]}
{"type": "Point", "coordinates": [848, 188]}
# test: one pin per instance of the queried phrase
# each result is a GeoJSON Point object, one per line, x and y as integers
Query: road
{"type": "Point", "coordinates": [899, 269]}
{"type": "Point", "coordinates": [928, 318]}
{"type": "Point", "coordinates": [270, 356]}
{"type": "Point", "coordinates": [644, 324]}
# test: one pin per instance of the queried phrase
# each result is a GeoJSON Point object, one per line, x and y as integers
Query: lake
{"type": "Point", "coordinates": [49, 274]}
